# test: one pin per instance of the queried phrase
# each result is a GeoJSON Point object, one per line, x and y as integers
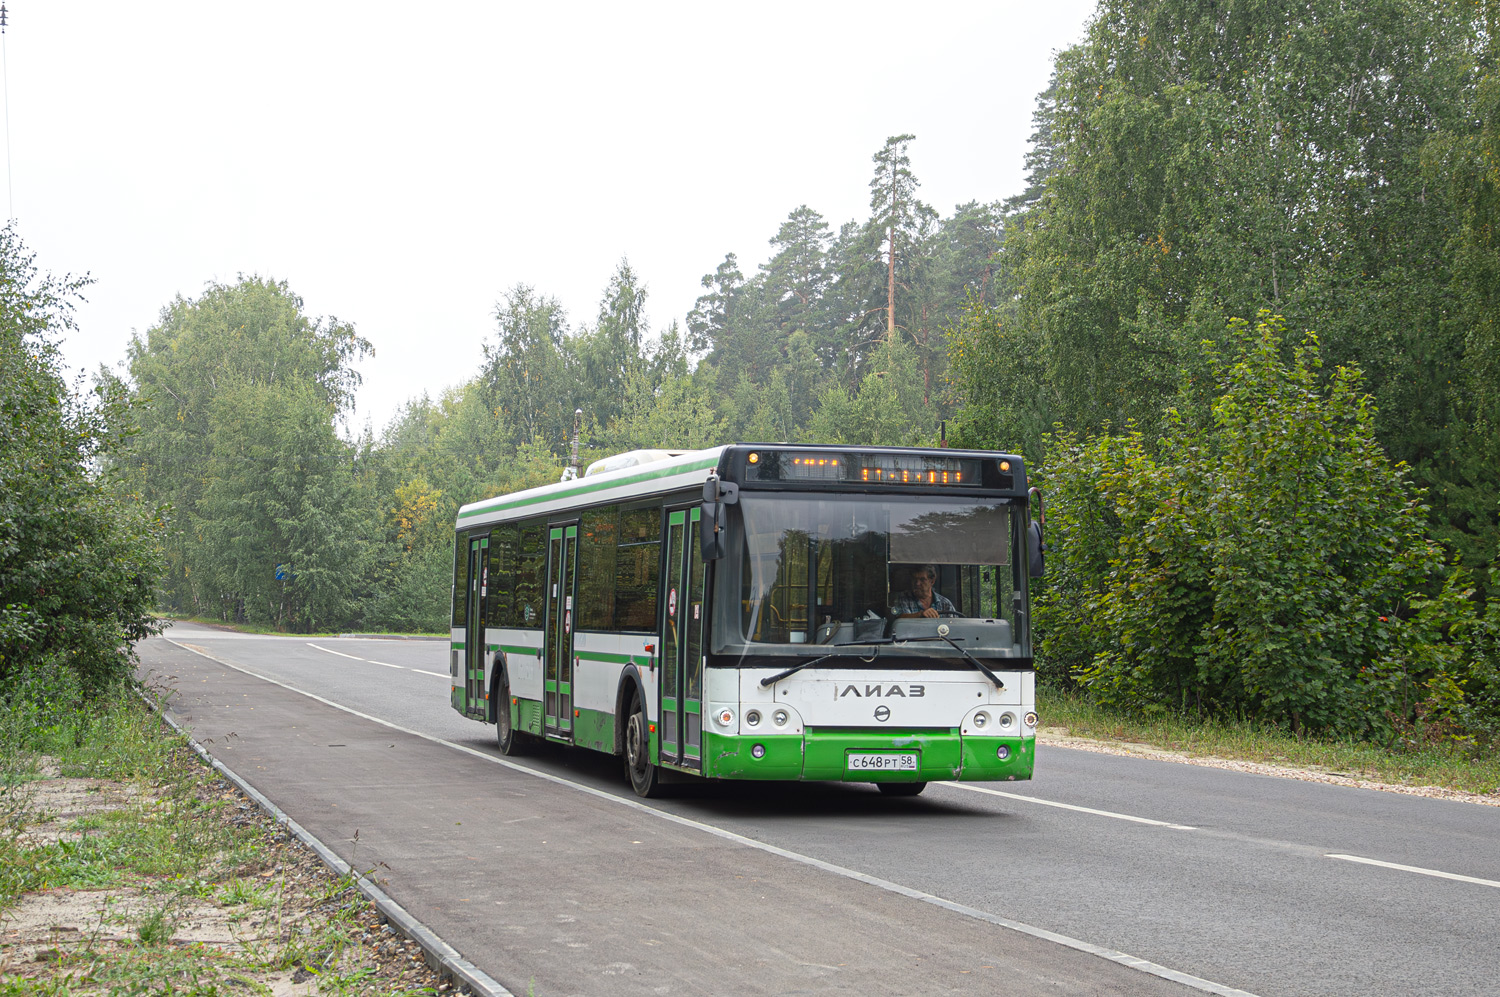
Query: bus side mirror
{"type": "Point", "coordinates": [711, 530]}
{"type": "Point", "coordinates": [1037, 550]}
{"type": "Point", "coordinates": [1036, 547]}
{"type": "Point", "coordinates": [711, 516]}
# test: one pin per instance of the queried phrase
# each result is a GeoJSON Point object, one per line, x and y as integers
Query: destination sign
{"type": "Point", "coordinates": [864, 468]}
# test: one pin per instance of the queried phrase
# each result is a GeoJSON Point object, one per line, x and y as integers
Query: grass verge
{"type": "Point", "coordinates": [127, 867]}
{"type": "Point", "coordinates": [1447, 766]}
{"type": "Point", "coordinates": [270, 631]}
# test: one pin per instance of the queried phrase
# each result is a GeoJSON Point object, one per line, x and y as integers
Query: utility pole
{"type": "Point", "coordinates": [10, 203]}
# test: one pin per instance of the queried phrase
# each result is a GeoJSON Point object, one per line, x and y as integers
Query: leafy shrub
{"type": "Point", "coordinates": [79, 556]}
{"type": "Point", "coordinates": [1252, 563]}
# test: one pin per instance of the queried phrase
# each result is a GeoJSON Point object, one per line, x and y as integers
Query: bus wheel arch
{"type": "Point", "coordinates": [497, 673]}
{"type": "Point", "coordinates": [632, 686]}
{"type": "Point", "coordinates": [635, 738]}
{"type": "Point", "coordinates": [508, 739]}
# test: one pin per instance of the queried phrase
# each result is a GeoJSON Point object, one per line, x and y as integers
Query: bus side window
{"type": "Point", "coordinates": [503, 543]}
{"type": "Point", "coordinates": [461, 581]}
{"type": "Point", "coordinates": [531, 566]}
{"type": "Point", "coordinates": [597, 539]}
{"type": "Point", "coordinates": [637, 567]}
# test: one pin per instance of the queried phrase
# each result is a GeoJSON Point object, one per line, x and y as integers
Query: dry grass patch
{"type": "Point", "coordinates": [135, 870]}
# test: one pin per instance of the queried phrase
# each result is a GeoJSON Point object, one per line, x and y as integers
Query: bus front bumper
{"type": "Point", "coordinates": [868, 756]}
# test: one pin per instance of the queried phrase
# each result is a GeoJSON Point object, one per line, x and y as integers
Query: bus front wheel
{"type": "Point", "coordinates": [901, 788]}
{"type": "Point", "coordinates": [645, 778]}
{"type": "Point", "coordinates": [510, 741]}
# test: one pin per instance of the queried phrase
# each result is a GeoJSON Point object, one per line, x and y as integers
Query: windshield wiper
{"type": "Point", "coordinates": [772, 680]}
{"type": "Point", "coordinates": [959, 648]}
{"type": "Point", "coordinates": [977, 663]}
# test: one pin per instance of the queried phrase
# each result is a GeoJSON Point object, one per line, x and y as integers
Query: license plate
{"type": "Point", "coordinates": [885, 761]}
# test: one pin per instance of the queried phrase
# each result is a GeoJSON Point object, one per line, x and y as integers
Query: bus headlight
{"type": "Point", "coordinates": [780, 718]}
{"type": "Point", "coordinates": [1030, 719]}
{"type": "Point", "coordinates": [1002, 752]}
{"type": "Point", "coordinates": [759, 751]}
{"type": "Point", "coordinates": [725, 717]}
{"type": "Point", "coordinates": [1007, 720]}
{"type": "Point", "coordinates": [752, 719]}
{"type": "Point", "coordinates": [981, 719]}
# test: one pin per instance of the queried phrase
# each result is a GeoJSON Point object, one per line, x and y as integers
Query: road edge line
{"type": "Point", "coordinates": [445, 955]}
{"type": "Point", "coordinates": [1077, 944]}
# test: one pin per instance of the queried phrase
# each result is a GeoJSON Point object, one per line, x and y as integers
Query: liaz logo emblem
{"type": "Point", "coordinates": [882, 713]}
{"type": "Point", "coordinates": [877, 691]}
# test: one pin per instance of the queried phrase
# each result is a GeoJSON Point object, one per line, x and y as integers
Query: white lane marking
{"type": "Point", "coordinates": [1070, 806]}
{"type": "Point", "coordinates": [1122, 958]}
{"type": "Point", "coordinates": [1415, 868]}
{"type": "Point", "coordinates": [441, 675]}
{"type": "Point", "coordinates": [339, 653]}
{"type": "Point", "coordinates": [371, 661]}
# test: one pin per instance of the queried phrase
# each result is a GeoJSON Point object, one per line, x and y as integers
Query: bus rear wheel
{"type": "Point", "coordinates": [901, 788]}
{"type": "Point", "coordinates": [645, 778]}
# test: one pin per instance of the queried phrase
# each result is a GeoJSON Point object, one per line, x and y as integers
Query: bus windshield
{"type": "Point", "coordinates": [854, 569]}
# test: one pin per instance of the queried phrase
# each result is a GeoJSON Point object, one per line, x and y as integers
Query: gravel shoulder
{"type": "Point", "coordinates": [267, 916]}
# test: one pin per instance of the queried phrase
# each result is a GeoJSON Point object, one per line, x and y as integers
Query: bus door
{"type": "Point", "coordinates": [474, 639]}
{"type": "Point", "coordinates": [558, 673]}
{"type": "Point", "coordinates": [683, 619]}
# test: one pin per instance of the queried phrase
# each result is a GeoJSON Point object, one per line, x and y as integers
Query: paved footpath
{"type": "Point", "coordinates": [555, 891]}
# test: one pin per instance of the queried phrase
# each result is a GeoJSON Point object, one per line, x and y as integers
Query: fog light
{"type": "Point", "coordinates": [725, 718]}
{"type": "Point", "coordinates": [1030, 719]}
{"type": "Point", "coordinates": [759, 751]}
{"type": "Point", "coordinates": [1002, 752]}
{"type": "Point", "coordinates": [1006, 719]}
{"type": "Point", "coordinates": [981, 719]}
{"type": "Point", "coordinates": [753, 718]}
{"type": "Point", "coordinates": [780, 717]}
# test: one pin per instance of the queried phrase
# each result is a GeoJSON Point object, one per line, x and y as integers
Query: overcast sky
{"type": "Point", "coordinates": [401, 165]}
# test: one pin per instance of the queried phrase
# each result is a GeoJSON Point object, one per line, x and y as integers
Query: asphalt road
{"type": "Point", "coordinates": [568, 884]}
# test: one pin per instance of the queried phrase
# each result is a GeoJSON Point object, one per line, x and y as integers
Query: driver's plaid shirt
{"type": "Point", "coordinates": [907, 602]}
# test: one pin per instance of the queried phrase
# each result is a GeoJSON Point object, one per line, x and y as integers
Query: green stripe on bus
{"type": "Point", "coordinates": [610, 658]}
{"type": "Point", "coordinates": [500, 505]}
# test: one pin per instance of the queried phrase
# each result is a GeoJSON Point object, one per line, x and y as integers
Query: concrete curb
{"type": "Point", "coordinates": [439, 953]}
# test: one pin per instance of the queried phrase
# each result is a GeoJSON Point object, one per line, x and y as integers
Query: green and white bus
{"type": "Point", "coordinates": [759, 611]}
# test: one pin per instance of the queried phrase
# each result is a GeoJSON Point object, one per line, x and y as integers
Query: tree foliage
{"type": "Point", "coordinates": [1331, 163]}
{"type": "Point", "coordinates": [79, 553]}
{"type": "Point", "coordinates": [1252, 564]}
{"type": "Point", "coordinates": [241, 391]}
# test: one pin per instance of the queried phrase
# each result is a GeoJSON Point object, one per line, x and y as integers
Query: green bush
{"type": "Point", "coordinates": [1265, 560]}
{"type": "Point", "coordinates": [79, 556]}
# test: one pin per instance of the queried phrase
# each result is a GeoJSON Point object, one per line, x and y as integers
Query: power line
{"type": "Point", "coordinates": [5, 79]}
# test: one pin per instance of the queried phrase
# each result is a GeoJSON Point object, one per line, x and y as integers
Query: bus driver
{"type": "Point", "coordinates": [921, 600]}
